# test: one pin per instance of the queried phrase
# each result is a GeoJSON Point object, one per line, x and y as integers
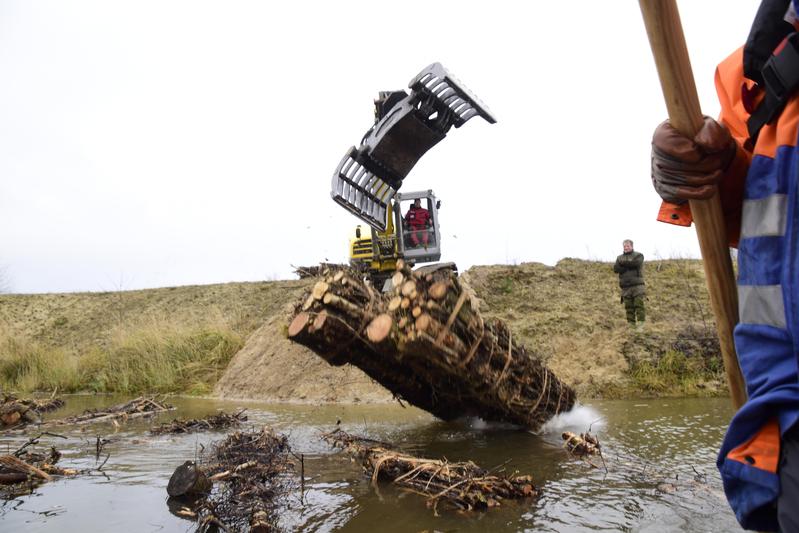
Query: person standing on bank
{"type": "Point", "coordinates": [630, 268]}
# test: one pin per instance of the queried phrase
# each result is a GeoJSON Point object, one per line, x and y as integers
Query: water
{"type": "Point", "coordinates": [659, 472]}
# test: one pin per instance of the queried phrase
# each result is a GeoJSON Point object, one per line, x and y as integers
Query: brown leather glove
{"type": "Point", "coordinates": [690, 169]}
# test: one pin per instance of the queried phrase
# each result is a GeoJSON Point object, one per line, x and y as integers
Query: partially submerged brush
{"type": "Point", "coordinates": [250, 472]}
{"type": "Point", "coordinates": [463, 486]}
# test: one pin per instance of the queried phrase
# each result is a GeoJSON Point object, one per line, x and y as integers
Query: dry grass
{"type": "Point", "coordinates": [571, 314]}
{"type": "Point", "coordinates": [162, 340]}
{"type": "Point", "coordinates": [159, 357]}
{"type": "Point", "coordinates": [181, 338]}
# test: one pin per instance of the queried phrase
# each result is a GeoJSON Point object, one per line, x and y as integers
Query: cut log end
{"type": "Point", "coordinates": [423, 322]}
{"type": "Point", "coordinates": [306, 306]}
{"type": "Point", "coordinates": [397, 279]}
{"type": "Point", "coordinates": [394, 303]}
{"type": "Point", "coordinates": [319, 290]}
{"type": "Point", "coordinates": [408, 287]}
{"type": "Point", "coordinates": [298, 324]}
{"type": "Point", "coordinates": [379, 328]}
{"type": "Point", "coordinates": [187, 479]}
{"type": "Point", "coordinates": [319, 321]}
{"type": "Point", "coordinates": [438, 290]}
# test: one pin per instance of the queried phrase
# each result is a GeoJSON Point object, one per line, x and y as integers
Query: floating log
{"type": "Point", "coordinates": [188, 479]}
{"type": "Point", "coordinates": [463, 486]}
{"type": "Point", "coordinates": [13, 464]}
{"type": "Point", "coordinates": [136, 408]}
{"type": "Point", "coordinates": [428, 344]}
{"type": "Point", "coordinates": [24, 469]}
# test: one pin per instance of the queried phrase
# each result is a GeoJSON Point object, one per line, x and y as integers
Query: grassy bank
{"type": "Point", "coordinates": [571, 315]}
{"type": "Point", "coordinates": [181, 339]}
{"type": "Point", "coordinates": [162, 340]}
{"type": "Point", "coordinates": [155, 358]}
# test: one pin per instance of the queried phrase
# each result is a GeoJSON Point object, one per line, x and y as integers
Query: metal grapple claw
{"type": "Point", "coordinates": [368, 177]}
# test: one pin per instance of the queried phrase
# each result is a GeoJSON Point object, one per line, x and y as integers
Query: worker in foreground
{"type": "Point", "coordinates": [750, 157]}
{"type": "Point", "coordinates": [630, 268]}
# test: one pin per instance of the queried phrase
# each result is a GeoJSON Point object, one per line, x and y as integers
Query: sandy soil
{"type": "Point", "coordinates": [272, 368]}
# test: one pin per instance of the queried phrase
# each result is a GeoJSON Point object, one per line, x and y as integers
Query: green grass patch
{"type": "Point", "coordinates": [154, 357]}
{"type": "Point", "coordinates": [675, 373]}
{"type": "Point", "coordinates": [26, 365]}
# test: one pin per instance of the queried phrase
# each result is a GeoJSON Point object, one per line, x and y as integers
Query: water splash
{"type": "Point", "coordinates": [580, 418]}
{"type": "Point", "coordinates": [479, 424]}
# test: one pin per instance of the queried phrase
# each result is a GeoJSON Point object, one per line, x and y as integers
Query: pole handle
{"type": "Point", "coordinates": [666, 38]}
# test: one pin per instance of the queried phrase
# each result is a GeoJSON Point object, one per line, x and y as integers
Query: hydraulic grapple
{"type": "Point", "coordinates": [406, 126]}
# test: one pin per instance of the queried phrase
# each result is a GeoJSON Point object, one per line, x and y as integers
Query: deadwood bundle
{"type": "Point", "coordinates": [136, 408]}
{"type": "Point", "coordinates": [463, 486]}
{"type": "Point", "coordinates": [242, 485]}
{"type": "Point", "coordinates": [220, 420]}
{"type": "Point", "coordinates": [25, 469]}
{"type": "Point", "coordinates": [427, 343]}
{"type": "Point", "coordinates": [16, 412]}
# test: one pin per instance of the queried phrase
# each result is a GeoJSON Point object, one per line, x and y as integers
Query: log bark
{"type": "Point", "coordinates": [428, 344]}
{"type": "Point", "coordinates": [9, 463]}
{"type": "Point", "coordinates": [188, 479]}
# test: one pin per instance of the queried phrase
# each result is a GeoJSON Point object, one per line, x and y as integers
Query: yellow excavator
{"type": "Point", "coordinates": [367, 180]}
{"type": "Point", "coordinates": [375, 253]}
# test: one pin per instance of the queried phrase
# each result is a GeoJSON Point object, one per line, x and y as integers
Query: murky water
{"type": "Point", "coordinates": [659, 454]}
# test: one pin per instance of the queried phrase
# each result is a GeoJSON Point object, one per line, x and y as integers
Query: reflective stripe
{"type": "Point", "coordinates": [761, 304]}
{"type": "Point", "coordinates": [765, 217]}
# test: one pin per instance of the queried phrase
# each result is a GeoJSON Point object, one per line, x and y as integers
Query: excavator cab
{"type": "Point", "coordinates": [418, 236]}
{"type": "Point", "coordinates": [406, 126]}
{"type": "Point", "coordinates": [412, 233]}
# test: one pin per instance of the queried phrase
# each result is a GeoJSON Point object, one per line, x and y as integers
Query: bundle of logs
{"type": "Point", "coordinates": [462, 486]}
{"type": "Point", "coordinates": [427, 343]}
{"type": "Point", "coordinates": [136, 408]}
{"type": "Point", "coordinates": [220, 420]}
{"type": "Point", "coordinates": [16, 412]}
{"type": "Point", "coordinates": [240, 486]}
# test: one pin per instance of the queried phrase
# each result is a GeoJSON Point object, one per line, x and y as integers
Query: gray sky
{"type": "Point", "coordinates": [160, 143]}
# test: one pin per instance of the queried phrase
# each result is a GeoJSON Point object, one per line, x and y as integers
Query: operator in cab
{"type": "Point", "coordinates": [417, 220]}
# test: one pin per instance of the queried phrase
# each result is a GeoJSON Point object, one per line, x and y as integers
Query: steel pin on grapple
{"type": "Point", "coordinates": [406, 127]}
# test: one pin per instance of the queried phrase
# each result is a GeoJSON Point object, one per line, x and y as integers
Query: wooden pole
{"type": "Point", "coordinates": [662, 20]}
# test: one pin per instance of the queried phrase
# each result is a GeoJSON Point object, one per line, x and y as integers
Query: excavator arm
{"type": "Point", "coordinates": [369, 176]}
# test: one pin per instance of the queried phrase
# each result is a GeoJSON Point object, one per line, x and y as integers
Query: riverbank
{"type": "Point", "coordinates": [229, 339]}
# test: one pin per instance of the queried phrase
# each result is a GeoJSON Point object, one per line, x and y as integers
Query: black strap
{"type": "Point", "coordinates": [780, 79]}
{"type": "Point", "coordinates": [768, 30]}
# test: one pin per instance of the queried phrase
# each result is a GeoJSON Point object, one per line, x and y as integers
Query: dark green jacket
{"type": "Point", "coordinates": [630, 268]}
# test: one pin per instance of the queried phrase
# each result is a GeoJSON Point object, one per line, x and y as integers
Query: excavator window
{"type": "Point", "coordinates": [418, 230]}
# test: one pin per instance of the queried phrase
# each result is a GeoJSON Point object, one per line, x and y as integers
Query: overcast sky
{"type": "Point", "coordinates": [148, 144]}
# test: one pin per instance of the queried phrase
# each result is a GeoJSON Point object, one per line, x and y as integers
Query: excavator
{"type": "Point", "coordinates": [368, 178]}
